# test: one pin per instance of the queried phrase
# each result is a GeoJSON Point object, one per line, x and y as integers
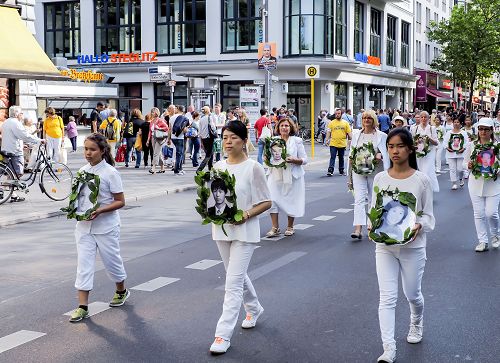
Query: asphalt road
{"type": "Point", "coordinates": [318, 288]}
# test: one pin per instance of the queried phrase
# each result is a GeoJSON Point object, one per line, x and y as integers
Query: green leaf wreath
{"type": "Point", "coordinates": [375, 215]}
{"type": "Point", "coordinates": [201, 179]}
{"type": "Point", "coordinates": [427, 146]}
{"type": "Point", "coordinates": [470, 134]}
{"type": "Point", "coordinates": [358, 165]}
{"type": "Point", "coordinates": [476, 165]}
{"type": "Point", "coordinates": [462, 142]}
{"type": "Point", "coordinates": [440, 134]}
{"type": "Point", "coordinates": [270, 142]}
{"type": "Point", "coordinates": [93, 181]}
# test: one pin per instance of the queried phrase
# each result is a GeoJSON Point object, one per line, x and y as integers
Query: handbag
{"type": "Point", "coordinates": [120, 154]}
{"type": "Point", "coordinates": [160, 135]}
{"type": "Point", "coordinates": [63, 156]}
{"type": "Point", "coordinates": [167, 151]}
{"type": "Point", "coordinates": [138, 143]}
{"type": "Point", "coordinates": [265, 133]}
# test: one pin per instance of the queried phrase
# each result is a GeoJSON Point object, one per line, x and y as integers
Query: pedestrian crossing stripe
{"type": "Point", "coordinates": [18, 338]}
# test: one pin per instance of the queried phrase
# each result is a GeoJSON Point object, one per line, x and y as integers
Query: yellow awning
{"type": "Point", "coordinates": [20, 54]}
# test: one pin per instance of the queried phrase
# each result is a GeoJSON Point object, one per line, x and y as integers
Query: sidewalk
{"type": "Point", "coordinates": [138, 184]}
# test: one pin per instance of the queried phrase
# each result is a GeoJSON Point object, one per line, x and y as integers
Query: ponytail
{"type": "Point", "coordinates": [103, 145]}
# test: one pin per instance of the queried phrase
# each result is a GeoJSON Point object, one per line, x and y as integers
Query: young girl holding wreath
{"type": "Point", "coordinates": [455, 142]}
{"type": "Point", "coordinates": [102, 230]}
{"type": "Point", "coordinates": [360, 182]}
{"type": "Point", "coordinates": [237, 244]}
{"type": "Point", "coordinates": [484, 189]}
{"type": "Point", "coordinates": [409, 259]}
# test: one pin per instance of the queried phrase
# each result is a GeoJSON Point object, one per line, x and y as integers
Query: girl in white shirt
{"type": "Point", "coordinates": [407, 260]}
{"type": "Point", "coordinates": [455, 142]}
{"type": "Point", "coordinates": [484, 193]}
{"type": "Point", "coordinates": [236, 248]}
{"type": "Point", "coordinates": [102, 231]}
{"type": "Point", "coordinates": [472, 134]}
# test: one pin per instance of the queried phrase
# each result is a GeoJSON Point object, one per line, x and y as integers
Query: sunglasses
{"type": "Point", "coordinates": [484, 129]}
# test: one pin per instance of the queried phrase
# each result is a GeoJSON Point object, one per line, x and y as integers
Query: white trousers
{"type": "Point", "coordinates": [439, 153]}
{"type": "Point", "coordinates": [390, 262]}
{"type": "Point", "coordinates": [236, 256]}
{"type": "Point", "coordinates": [485, 213]}
{"type": "Point", "coordinates": [363, 186]}
{"type": "Point", "coordinates": [456, 169]}
{"type": "Point", "coordinates": [112, 146]}
{"type": "Point", "coordinates": [53, 148]}
{"type": "Point", "coordinates": [109, 250]}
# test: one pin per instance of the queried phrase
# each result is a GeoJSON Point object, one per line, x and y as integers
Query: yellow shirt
{"type": "Point", "coordinates": [117, 126]}
{"type": "Point", "coordinates": [339, 130]}
{"type": "Point", "coordinates": [53, 127]}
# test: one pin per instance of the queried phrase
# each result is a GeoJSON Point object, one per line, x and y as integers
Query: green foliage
{"type": "Point", "coordinates": [93, 181]}
{"type": "Point", "coordinates": [476, 165]}
{"type": "Point", "coordinates": [358, 165]}
{"type": "Point", "coordinates": [427, 146]}
{"type": "Point", "coordinates": [270, 142]}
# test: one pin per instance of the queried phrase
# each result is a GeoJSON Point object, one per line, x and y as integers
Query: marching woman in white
{"type": "Point", "coordinates": [426, 164]}
{"type": "Point", "coordinates": [472, 134]}
{"type": "Point", "coordinates": [440, 131]}
{"type": "Point", "coordinates": [484, 192]}
{"type": "Point", "coordinates": [102, 231]}
{"type": "Point", "coordinates": [236, 248]}
{"type": "Point", "coordinates": [360, 179]}
{"type": "Point", "coordinates": [287, 186]}
{"type": "Point", "coordinates": [448, 125]}
{"type": "Point", "coordinates": [407, 260]}
{"type": "Point", "coordinates": [455, 142]}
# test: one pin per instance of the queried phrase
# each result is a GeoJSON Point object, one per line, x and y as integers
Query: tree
{"type": "Point", "coordinates": [470, 41]}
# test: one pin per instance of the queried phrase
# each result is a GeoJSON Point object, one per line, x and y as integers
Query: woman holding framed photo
{"type": "Point", "coordinates": [455, 142]}
{"type": "Point", "coordinates": [158, 133]}
{"type": "Point", "coordinates": [481, 159]}
{"type": "Point", "coordinates": [400, 186]}
{"type": "Point", "coordinates": [367, 157]}
{"type": "Point", "coordinates": [236, 242]}
{"type": "Point", "coordinates": [286, 182]}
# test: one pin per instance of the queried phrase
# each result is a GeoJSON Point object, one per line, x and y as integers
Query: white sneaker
{"type": "Point", "coordinates": [454, 187]}
{"type": "Point", "coordinates": [495, 241]}
{"type": "Point", "coordinates": [250, 321]}
{"type": "Point", "coordinates": [389, 355]}
{"type": "Point", "coordinates": [415, 333]}
{"type": "Point", "coordinates": [274, 232]}
{"type": "Point", "coordinates": [219, 346]}
{"type": "Point", "coordinates": [481, 247]}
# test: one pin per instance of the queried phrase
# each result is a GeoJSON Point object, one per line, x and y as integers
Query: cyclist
{"type": "Point", "coordinates": [13, 137]}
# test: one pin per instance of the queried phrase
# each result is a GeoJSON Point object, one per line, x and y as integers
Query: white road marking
{"type": "Point", "coordinates": [94, 308]}
{"type": "Point", "coordinates": [323, 218]}
{"type": "Point", "coordinates": [204, 264]}
{"type": "Point", "coordinates": [302, 227]}
{"type": "Point", "coordinates": [281, 236]}
{"type": "Point", "coordinates": [257, 247]}
{"type": "Point", "coordinates": [18, 338]}
{"type": "Point", "coordinates": [155, 284]}
{"type": "Point", "coordinates": [342, 210]}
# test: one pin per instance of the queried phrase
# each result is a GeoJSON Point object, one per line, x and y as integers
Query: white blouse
{"type": "Point", "coordinates": [251, 189]}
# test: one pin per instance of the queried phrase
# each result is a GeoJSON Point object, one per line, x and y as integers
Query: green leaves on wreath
{"type": "Point", "coordinates": [93, 181]}
{"type": "Point", "coordinates": [476, 165]}
{"type": "Point", "coordinates": [270, 142]}
{"type": "Point", "coordinates": [427, 146]}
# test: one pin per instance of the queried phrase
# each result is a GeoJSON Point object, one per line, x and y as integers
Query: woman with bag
{"type": "Point", "coordinates": [193, 134]}
{"type": "Point", "coordinates": [208, 133]}
{"type": "Point", "coordinates": [147, 150]}
{"type": "Point", "coordinates": [131, 129]}
{"type": "Point", "coordinates": [158, 133]}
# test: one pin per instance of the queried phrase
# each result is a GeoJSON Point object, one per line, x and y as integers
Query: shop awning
{"type": "Point", "coordinates": [437, 94]}
{"type": "Point", "coordinates": [21, 56]}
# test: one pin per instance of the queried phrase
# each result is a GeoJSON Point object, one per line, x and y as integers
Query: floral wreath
{"type": "Point", "coordinates": [476, 166]}
{"type": "Point", "coordinates": [375, 215]}
{"type": "Point", "coordinates": [462, 142]}
{"type": "Point", "coordinates": [470, 134]}
{"type": "Point", "coordinates": [93, 181]}
{"type": "Point", "coordinates": [355, 150]}
{"type": "Point", "coordinates": [427, 146]}
{"type": "Point", "coordinates": [270, 142]}
{"type": "Point", "coordinates": [440, 134]}
{"type": "Point", "coordinates": [201, 179]}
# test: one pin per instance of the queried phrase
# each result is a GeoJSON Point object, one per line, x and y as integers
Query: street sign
{"type": "Point", "coordinates": [312, 71]}
{"type": "Point", "coordinates": [172, 83]}
{"type": "Point", "coordinates": [260, 82]}
{"type": "Point", "coordinates": [164, 69]}
{"type": "Point", "coordinates": [152, 70]}
{"type": "Point", "coordinates": [159, 77]}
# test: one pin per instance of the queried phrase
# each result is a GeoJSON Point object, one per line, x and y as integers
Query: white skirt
{"type": "Point", "coordinates": [293, 203]}
{"type": "Point", "coordinates": [427, 165]}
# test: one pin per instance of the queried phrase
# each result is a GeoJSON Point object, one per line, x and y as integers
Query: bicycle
{"type": "Point", "coordinates": [55, 179]}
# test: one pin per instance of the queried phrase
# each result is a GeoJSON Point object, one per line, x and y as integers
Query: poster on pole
{"type": "Point", "coordinates": [250, 100]}
{"type": "Point", "coordinates": [266, 56]}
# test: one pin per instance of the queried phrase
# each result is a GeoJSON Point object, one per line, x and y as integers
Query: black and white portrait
{"type": "Point", "coordinates": [83, 200]}
{"type": "Point", "coordinates": [276, 154]}
{"type": "Point", "coordinates": [396, 219]}
{"type": "Point", "coordinates": [217, 204]}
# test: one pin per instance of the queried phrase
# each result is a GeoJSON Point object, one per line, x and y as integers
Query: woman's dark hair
{"type": "Point", "coordinates": [103, 145]}
{"type": "Point", "coordinates": [407, 140]}
{"type": "Point", "coordinates": [393, 204]}
{"type": "Point", "coordinates": [194, 115]}
{"type": "Point", "coordinates": [238, 128]}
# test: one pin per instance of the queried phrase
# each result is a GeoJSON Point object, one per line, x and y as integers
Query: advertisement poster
{"type": "Point", "coordinates": [267, 56]}
{"type": "Point", "coordinates": [421, 92]}
{"type": "Point", "coordinates": [250, 100]}
{"type": "Point", "coordinates": [4, 99]}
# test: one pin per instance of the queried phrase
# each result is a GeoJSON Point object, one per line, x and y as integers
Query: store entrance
{"type": "Point", "coordinates": [302, 106]}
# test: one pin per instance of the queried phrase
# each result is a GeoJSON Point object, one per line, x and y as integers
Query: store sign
{"type": "Point", "coordinates": [145, 57]}
{"type": "Point", "coordinates": [391, 92]}
{"type": "Point", "coordinates": [250, 98]}
{"type": "Point", "coordinates": [83, 76]}
{"type": "Point", "coordinates": [432, 80]}
{"type": "Point", "coordinates": [421, 91]}
{"type": "Point", "coordinates": [445, 83]}
{"type": "Point", "coordinates": [368, 59]}
{"type": "Point", "coordinates": [376, 89]}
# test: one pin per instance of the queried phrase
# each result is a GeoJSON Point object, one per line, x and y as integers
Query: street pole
{"type": "Point", "coordinates": [265, 37]}
{"type": "Point", "coordinates": [312, 118]}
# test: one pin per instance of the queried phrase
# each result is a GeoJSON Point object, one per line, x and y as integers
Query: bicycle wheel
{"type": "Point", "coordinates": [56, 181]}
{"type": "Point", "coordinates": [6, 186]}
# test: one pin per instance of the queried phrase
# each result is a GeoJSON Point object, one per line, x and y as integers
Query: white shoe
{"type": "Point", "coordinates": [481, 247]}
{"type": "Point", "coordinates": [389, 355]}
{"type": "Point", "coordinates": [274, 232]}
{"type": "Point", "coordinates": [250, 321]}
{"type": "Point", "coordinates": [454, 187]}
{"type": "Point", "coordinates": [462, 182]}
{"type": "Point", "coordinates": [415, 333]}
{"type": "Point", "coordinates": [219, 346]}
{"type": "Point", "coordinates": [495, 241]}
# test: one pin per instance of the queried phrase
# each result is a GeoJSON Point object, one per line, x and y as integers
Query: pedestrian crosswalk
{"type": "Point", "coordinates": [95, 308]}
{"type": "Point", "coordinates": [155, 284]}
{"type": "Point", "coordinates": [18, 338]}
{"type": "Point", "coordinates": [323, 218]}
{"type": "Point", "coordinates": [203, 264]}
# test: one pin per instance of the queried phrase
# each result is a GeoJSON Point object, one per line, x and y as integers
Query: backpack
{"type": "Point", "coordinates": [110, 132]}
{"type": "Point", "coordinates": [179, 124]}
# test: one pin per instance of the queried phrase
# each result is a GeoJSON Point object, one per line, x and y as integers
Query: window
{"type": "Point", "coordinates": [340, 27]}
{"type": "Point", "coordinates": [418, 19]}
{"type": "Point", "coordinates": [359, 27]}
{"type": "Point", "coordinates": [436, 18]}
{"type": "Point", "coordinates": [340, 95]}
{"type": "Point", "coordinates": [181, 26]}
{"type": "Point", "coordinates": [309, 27]}
{"type": "Point", "coordinates": [62, 29]}
{"type": "Point", "coordinates": [436, 53]}
{"type": "Point", "coordinates": [443, 6]}
{"type": "Point", "coordinates": [405, 44]}
{"type": "Point", "coordinates": [162, 95]}
{"type": "Point", "coordinates": [418, 51]}
{"type": "Point", "coordinates": [427, 18]}
{"type": "Point", "coordinates": [117, 26]}
{"type": "Point", "coordinates": [427, 54]}
{"type": "Point", "coordinates": [436, 3]}
{"type": "Point", "coordinates": [241, 25]}
{"type": "Point", "coordinates": [391, 41]}
{"type": "Point", "coordinates": [375, 28]}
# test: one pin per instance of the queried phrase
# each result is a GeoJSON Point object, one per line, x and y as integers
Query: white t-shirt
{"type": "Point", "coordinates": [171, 122]}
{"type": "Point", "coordinates": [251, 189]}
{"type": "Point", "coordinates": [110, 183]}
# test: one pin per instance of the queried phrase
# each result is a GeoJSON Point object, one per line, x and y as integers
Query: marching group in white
{"type": "Point", "coordinates": [401, 165]}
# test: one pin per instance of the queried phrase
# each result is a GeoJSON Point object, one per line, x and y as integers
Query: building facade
{"type": "Point", "coordinates": [365, 49]}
